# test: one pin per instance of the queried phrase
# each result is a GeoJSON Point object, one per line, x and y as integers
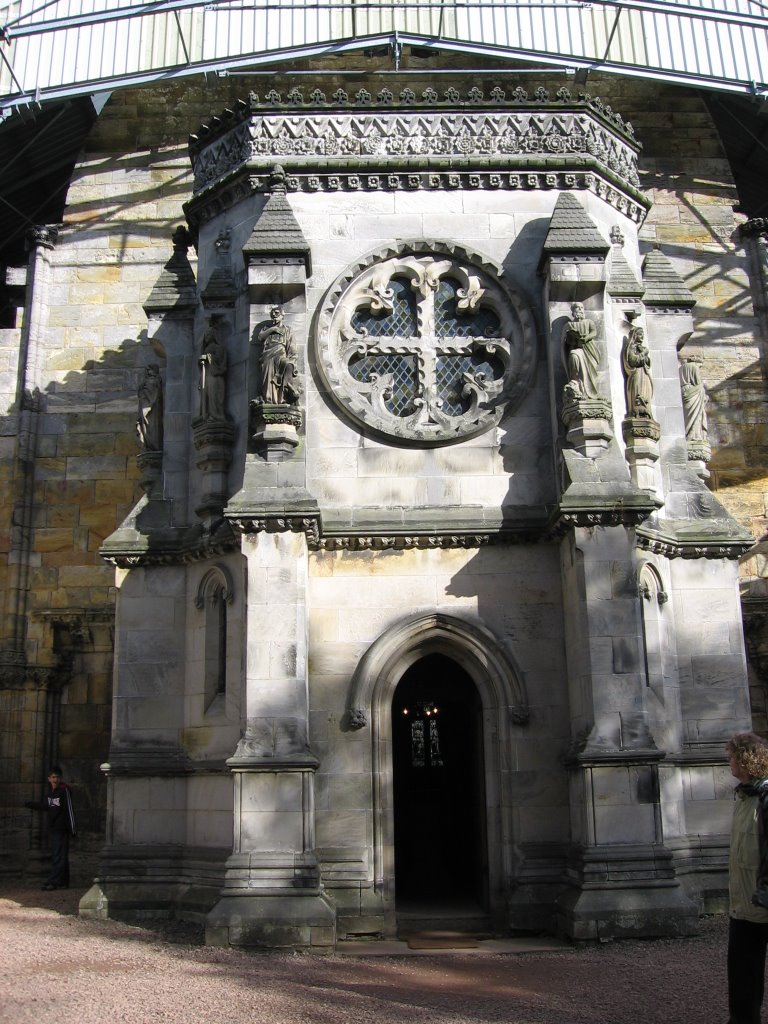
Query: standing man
{"type": "Point", "coordinates": [61, 825]}
{"type": "Point", "coordinates": [748, 878]}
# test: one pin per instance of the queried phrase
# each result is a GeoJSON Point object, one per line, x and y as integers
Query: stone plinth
{"type": "Point", "coordinates": [213, 441]}
{"type": "Point", "coordinates": [274, 430]}
{"type": "Point", "coordinates": [641, 436]}
{"type": "Point", "coordinates": [150, 473]}
{"type": "Point", "coordinates": [589, 425]}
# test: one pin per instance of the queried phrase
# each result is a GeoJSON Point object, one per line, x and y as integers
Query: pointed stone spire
{"type": "Point", "coordinates": [277, 233]}
{"type": "Point", "coordinates": [572, 230]}
{"type": "Point", "coordinates": [175, 288]}
{"type": "Point", "coordinates": [663, 284]}
{"type": "Point", "coordinates": [622, 282]}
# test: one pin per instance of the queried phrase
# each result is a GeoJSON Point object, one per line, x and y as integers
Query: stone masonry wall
{"type": "Point", "coordinates": [126, 196]}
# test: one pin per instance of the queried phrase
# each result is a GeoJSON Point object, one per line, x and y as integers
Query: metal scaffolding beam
{"type": "Point", "coordinates": [63, 48]}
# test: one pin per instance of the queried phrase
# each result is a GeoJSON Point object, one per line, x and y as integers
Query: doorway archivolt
{"type": "Point", "coordinates": [501, 689]}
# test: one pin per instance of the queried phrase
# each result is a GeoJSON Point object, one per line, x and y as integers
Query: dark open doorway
{"type": "Point", "coordinates": [439, 791]}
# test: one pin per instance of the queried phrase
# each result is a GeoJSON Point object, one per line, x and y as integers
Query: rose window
{"type": "Point", "coordinates": [425, 347]}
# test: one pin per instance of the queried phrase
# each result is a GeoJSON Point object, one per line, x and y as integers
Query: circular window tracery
{"type": "Point", "coordinates": [425, 344]}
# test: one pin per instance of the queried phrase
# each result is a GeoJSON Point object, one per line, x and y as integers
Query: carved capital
{"type": "Point", "coordinates": [639, 427]}
{"type": "Point", "coordinates": [755, 227]}
{"type": "Point", "coordinates": [42, 236]}
{"type": "Point", "coordinates": [150, 471]}
{"type": "Point", "coordinates": [699, 451]}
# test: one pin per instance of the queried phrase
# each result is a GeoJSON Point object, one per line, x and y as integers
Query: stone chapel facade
{"type": "Point", "coordinates": [427, 600]}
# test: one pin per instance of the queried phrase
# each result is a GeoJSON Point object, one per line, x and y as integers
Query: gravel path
{"type": "Point", "coordinates": [59, 969]}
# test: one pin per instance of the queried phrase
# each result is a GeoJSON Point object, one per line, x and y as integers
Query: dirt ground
{"type": "Point", "coordinates": [59, 969]}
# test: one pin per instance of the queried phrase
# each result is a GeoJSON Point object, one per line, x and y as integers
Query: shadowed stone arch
{"type": "Point", "coordinates": [469, 644]}
{"type": "Point", "coordinates": [217, 579]}
{"type": "Point", "coordinates": [501, 688]}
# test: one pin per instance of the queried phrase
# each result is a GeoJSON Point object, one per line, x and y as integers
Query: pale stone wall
{"type": "Point", "coordinates": [126, 196]}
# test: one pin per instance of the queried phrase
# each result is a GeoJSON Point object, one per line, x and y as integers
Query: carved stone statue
{"type": "Point", "coordinates": [278, 362]}
{"type": "Point", "coordinates": [149, 426]}
{"type": "Point", "coordinates": [694, 399]}
{"type": "Point", "coordinates": [636, 362]}
{"type": "Point", "coordinates": [213, 364]}
{"type": "Point", "coordinates": [582, 356]}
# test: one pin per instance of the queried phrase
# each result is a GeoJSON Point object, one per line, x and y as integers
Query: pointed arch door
{"type": "Point", "coordinates": [440, 833]}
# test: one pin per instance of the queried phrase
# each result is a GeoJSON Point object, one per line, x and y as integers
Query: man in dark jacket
{"type": "Point", "coordinates": [61, 825]}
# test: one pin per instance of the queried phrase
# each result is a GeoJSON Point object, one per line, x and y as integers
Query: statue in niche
{"type": "Point", "coordinates": [277, 366]}
{"type": "Point", "coordinates": [213, 363]}
{"type": "Point", "coordinates": [694, 399]}
{"type": "Point", "coordinates": [149, 426]}
{"type": "Point", "coordinates": [636, 363]}
{"type": "Point", "coordinates": [582, 356]}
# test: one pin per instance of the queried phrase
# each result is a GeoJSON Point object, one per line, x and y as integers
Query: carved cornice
{"type": "Point", "coordinates": [671, 546]}
{"type": "Point", "coordinates": [354, 145]}
{"type": "Point", "coordinates": [449, 100]}
{"type": "Point", "coordinates": [42, 236]}
{"type": "Point", "coordinates": [182, 548]}
{"type": "Point", "coordinates": [336, 177]}
{"type": "Point", "coordinates": [18, 676]}
{"type": "Point", "coordinates": [586, 510]}
{"type": "Point", "coordinates": [384, 539]}
{"type": "Point", "coordinates": [404, 542]}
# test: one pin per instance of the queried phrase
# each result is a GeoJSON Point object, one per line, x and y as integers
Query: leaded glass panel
{"type": "Point", "coordinates": [404, 379]}
{"type": "Point", "coordinates": [449, 382]}
{"type": "Point", "coordinates": [400, 322]}
{"type": "Point", "coordinates": [450, 322]}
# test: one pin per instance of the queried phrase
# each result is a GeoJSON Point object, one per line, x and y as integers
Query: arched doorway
{"type": "Point", "coordinates": [440, 833]}
{"type": "Point", "coordinates": [472, 652]}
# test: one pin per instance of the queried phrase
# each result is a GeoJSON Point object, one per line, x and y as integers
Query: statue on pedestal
{"type": "Point", "coordinates": [636, 362]}
{"type": "Point", "coordinates": [278, 362]}
{"type": "Point", "coordinates": [582, 356]}
{"type": "Point", "coordinates": [213, 363]}
{"type": "Point", "coordinates": [694, 399]}
{"type": "Point", "coordinates": [149, 426]}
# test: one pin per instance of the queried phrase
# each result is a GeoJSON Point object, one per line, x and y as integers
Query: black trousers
{"type": "Point", "coordinates": [59, 858]}
{"type": "Point", "coordinates": [747, 943]}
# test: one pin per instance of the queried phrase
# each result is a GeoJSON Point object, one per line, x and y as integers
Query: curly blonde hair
{"type": "Point", "coordinates": [750, 752]}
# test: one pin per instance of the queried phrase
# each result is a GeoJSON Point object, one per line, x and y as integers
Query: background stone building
{"type": "Point", "coordinates": [301, 563]}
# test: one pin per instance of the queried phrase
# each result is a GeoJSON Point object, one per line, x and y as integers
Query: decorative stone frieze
{"type": "Point", "coordinates": [563, 145]}
{"type": "Point", "coordinates": [368, 135]}
{"type": "Point", "coordinates": [183, 548]}
{"type": "Point", "coordinates": [673, 547]}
